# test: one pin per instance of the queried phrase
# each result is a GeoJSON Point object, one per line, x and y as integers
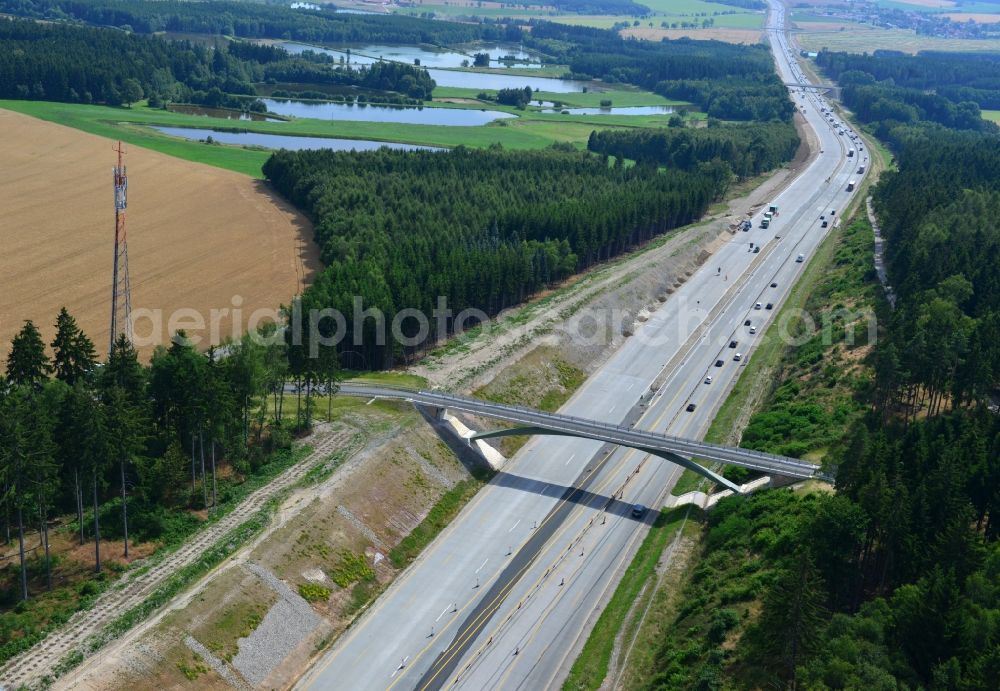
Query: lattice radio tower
{"type": "Point", "coordinates": [121, 293]}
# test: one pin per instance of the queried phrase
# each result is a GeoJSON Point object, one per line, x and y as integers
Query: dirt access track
{"type": "Point", "coordinates": [198, 237]}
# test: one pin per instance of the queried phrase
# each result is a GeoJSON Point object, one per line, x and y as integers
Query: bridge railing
{"type": "Point", "coordinates": [627, 435]}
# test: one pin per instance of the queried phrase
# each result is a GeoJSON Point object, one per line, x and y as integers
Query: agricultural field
{"type": "Point", "coordinates": [739, 36]}
{"type": "Point", "coordinates": [992, 116]}
{"type": "Point", "coordinates": [858, 38]}
{"type": "Point", "coordinates": [198, 236]}
{"type": "Point", "coordinates": [726, 17]}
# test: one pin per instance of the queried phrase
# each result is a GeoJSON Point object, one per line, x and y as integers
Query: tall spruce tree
{"type": "Point", "coordinates": [73, 353]}
{"type": "Point", "coordinates": [27, 362]}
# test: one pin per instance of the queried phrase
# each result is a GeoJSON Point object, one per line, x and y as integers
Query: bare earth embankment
{"type": "Point", "coordinates": [197, 235]}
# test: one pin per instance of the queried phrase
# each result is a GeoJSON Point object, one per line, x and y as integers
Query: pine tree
{"type": "Point", "coordinates": [73, 353]}
{"type": "Point", "coordinates": [793, 615]}
{"type": "Point", "coordinates": [126, 439]}
{"type": "Point", "coordinates": [123, 370]}
{"type": "Point", "coordinates": [85, 417]}
{"type": "Point", "coordinates": [28, 363]}
{"type": "Point", "coordinates": [25, 461]}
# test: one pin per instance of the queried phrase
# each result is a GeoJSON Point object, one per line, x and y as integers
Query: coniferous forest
{"type": "Point", "coordinates": [748, 149]}
{"type": "Point", "coordinates": [131, 452]}
{"type": "Point", "coordinates": [257, 20]}
{"type": "Point", "coordinates": [483, 229]}
{"type": "Point", "coordinates": [86, 65]}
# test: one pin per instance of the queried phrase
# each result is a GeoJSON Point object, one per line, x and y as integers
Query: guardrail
{"type": "Point", "coordinates": [603, 431]}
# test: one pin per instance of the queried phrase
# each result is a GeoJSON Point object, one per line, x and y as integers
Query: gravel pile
{"type": "Point", "coordinates": [284, 626]}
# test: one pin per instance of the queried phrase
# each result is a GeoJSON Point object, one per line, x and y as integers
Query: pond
{"type": "Point", "coordinates": [459, 117]}
{"type": "Point", "coordinates": [499, 51]}
{"type": "Point", "coordinates": [625, 110]}
{"type": "Point", "coordinates": [434, 61]}
{"type": "Point", "coordinates": [282, 141]}
{"type": "Point", "coordinates": [493, 82]}
{"type": "Point", "coordinates": [366, 55]}
{"type": "Point", "coordinates": [225, 113]}
{"type": "Point", "coordinates": [428, 57]}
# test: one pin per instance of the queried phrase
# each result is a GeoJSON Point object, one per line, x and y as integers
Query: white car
{"type": "Point", "coordinates": [708, 380]}
{"type": "Point", "coordinates": [753, 329]}
{"type": "Point", "coordinates": [757, 306]}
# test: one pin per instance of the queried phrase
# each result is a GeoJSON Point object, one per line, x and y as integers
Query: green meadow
{"type": "Point", "coordinates": [531, 129]}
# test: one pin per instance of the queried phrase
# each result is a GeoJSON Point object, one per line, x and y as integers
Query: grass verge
{"type": "Point", "coordinates": [440, 515]}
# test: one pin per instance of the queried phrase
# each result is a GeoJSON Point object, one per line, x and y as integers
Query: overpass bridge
{"type": "Point", "coordinates": [530, 421]}
{"type": "Point", "coordinates": [810, 87]}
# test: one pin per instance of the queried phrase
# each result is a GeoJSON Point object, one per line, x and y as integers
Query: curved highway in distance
{"type": "Point", "coordinates": [507, 594]}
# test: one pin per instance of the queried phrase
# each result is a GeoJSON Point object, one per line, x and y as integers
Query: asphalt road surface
{"type": "Point", "coordinates": [508, 593]}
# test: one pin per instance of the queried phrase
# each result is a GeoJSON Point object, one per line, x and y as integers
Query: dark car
{"type": "Point", "coordinates": [833, 212]}
{"type": "Point", "coordinates": [691, 407]}
{"type": "Point", "coordinates": [774, 285]}
{"type": "Point", "coordinates": [824, 224]}
{"type": "Point", "coordinates": [638, 511]}
{"type": "Point", "coordinates": [719, 363]}
{"type": "Point", "coordinates": [746, 323]}
{"type": "Point", "coordinates": [756, 250]}
{"type": "Point", "coordinates": [732, 344]}
{"type": "Point", "coordinates": [770, 306]}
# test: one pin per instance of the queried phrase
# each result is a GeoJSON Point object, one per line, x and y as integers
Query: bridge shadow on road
{"type": "Point", "coordinates": [575, 495]}
{"type": "Point", "coordinates": [475, 464]}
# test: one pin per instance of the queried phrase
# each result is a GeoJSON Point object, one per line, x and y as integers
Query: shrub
{"type": "Point", "coordinates": [352, 567]}
{"type": "Point", "coordinates": [722, 621]}
{"type": "Point", "coordinates": [313, 592]}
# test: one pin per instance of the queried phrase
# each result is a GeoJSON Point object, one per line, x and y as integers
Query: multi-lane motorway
{"type": "Point", "coordinates": [507, 594]}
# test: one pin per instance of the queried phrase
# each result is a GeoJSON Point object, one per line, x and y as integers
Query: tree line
{"type": "Point", "coordinates": [483, 228]}
{"type": "Point", "coordinates": [727, 81]}
{"type": "Point", "coordinates": [139, 447]}
{"type": "Point", "coordinates": [958, 77]}
{"type": "Point", "coordinates": [894, 583]}
{"type": "Point", "coordinates": [613, 7]}
{"type": "Point", "coordinates": [748, 148]}
{"type": "Point", "coordinates": [86, 65]}
{"type": "Point", "coordinates": [258, 20]}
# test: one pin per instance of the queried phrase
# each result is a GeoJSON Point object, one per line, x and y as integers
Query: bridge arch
{"type": "Point", "coordinates": [660, 453]}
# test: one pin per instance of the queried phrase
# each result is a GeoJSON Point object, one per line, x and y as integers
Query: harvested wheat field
{"type": "Point", "coordinates": [199, 238]}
